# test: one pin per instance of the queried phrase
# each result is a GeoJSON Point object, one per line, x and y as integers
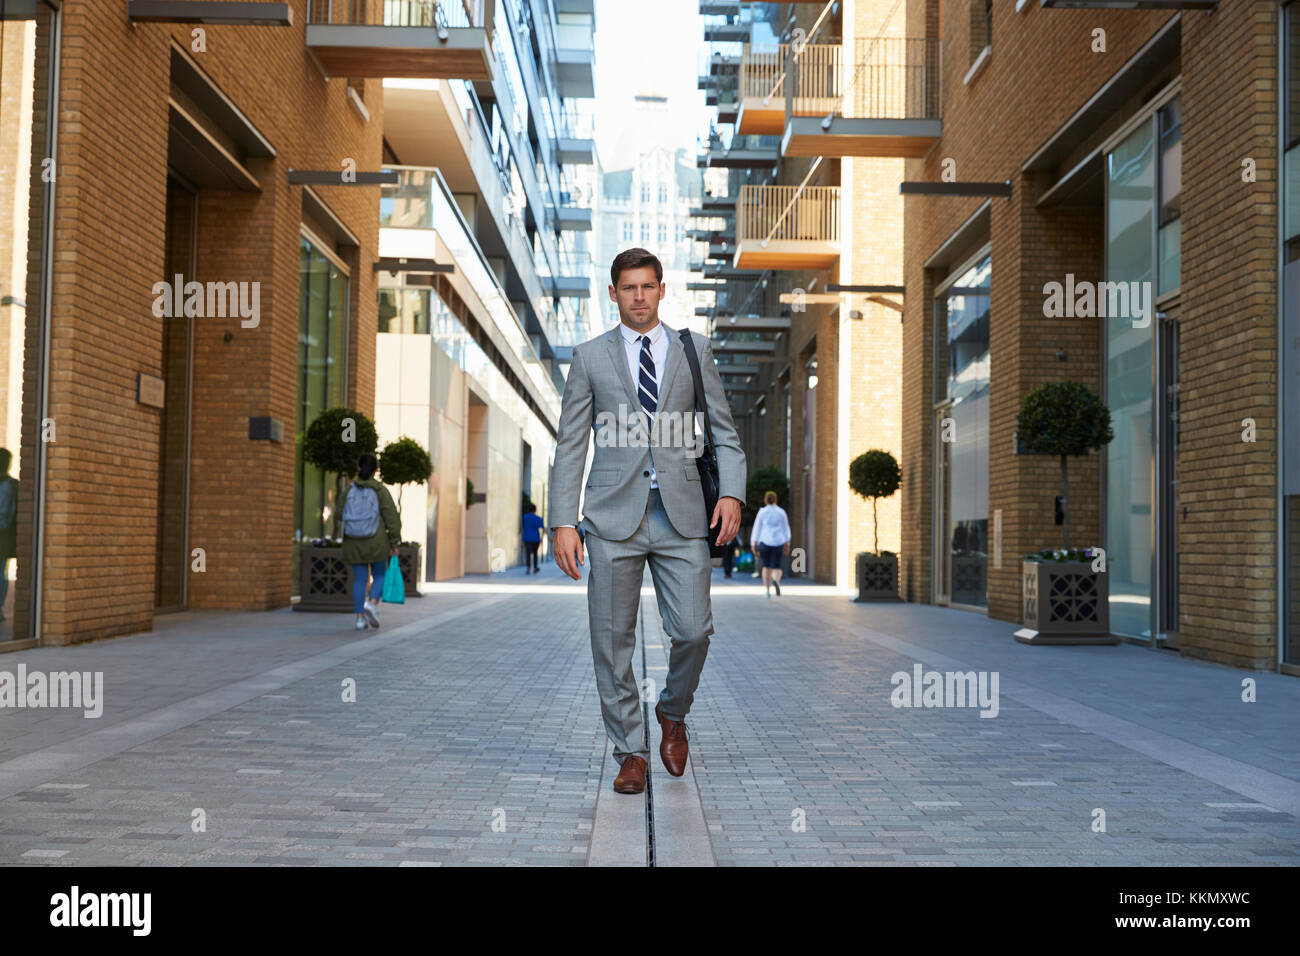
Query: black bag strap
{"type": "Point", "coordinates": [701, 401]}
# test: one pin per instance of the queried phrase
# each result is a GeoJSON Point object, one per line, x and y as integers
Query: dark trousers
{"type": "Point", "coordinates": [728, 557]}
{"type": "Point", "coordinates": [530, 556]}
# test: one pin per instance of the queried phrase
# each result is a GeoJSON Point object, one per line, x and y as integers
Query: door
{"type": "Point", "coordinates": [942, 527]}
{"type": "Point", "coordinates": [810, 464]}
{"type": "Point", "coordinates": [172, 549]}
{"type": "Point", "coordinates": [1167, 476]}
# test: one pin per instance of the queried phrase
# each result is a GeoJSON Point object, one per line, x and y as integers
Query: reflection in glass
{"type": "Point", "coordinates": [963, 313]}
{"type": "Point", "coordinates": [1130, 208]}
{"type": "Point", "coordinates": [322, 326]}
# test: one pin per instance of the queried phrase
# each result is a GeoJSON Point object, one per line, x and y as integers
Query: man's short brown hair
{"type": "Point", "coordinates": [769, 498]}
{"type": "Point", "coordinates": [635, 259]}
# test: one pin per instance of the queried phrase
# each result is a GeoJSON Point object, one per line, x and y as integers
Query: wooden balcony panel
{"type": "Point", "coordinates": [364, 51]}
{"type": "Point", "coordinates": [785, 228]}
{"type": "Point", "coordinates": [885, 138]}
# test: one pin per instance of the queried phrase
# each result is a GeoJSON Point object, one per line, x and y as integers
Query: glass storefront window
{"type": "Point", "coordinates": [29, 52]}
{"type": "Point", "coordinates": [1289, 353]}
{"type": "Point", "coordinates": [1169, 239]}
{"type": "Point", "coordinates": [962, 318]}
{"type": "Point", "coordinates": [1130, 257]}
{"type": "Point", "coordinates": [322, 343]}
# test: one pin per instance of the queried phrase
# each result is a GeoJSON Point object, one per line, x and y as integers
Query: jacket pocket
{"type": "Point", "coordinates": [692, 472]}
{"type": "Point", "coordinates": [603, 476]}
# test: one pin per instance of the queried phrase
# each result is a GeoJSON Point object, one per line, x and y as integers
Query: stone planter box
{"type": "Point", "coordinates": [1065, 602]}
{"type": "Point", "coordinates": [409, 559]}
{"type": "Point", "coordinates": [324, 581]}
{"type": "Point", "coordinates": [877, 577]}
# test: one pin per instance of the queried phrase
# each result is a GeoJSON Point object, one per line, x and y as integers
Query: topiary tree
{"type": "Point", "coordinates": [760, 483]}
{"type": "Point", "coordinates": [334, 442]}
{"type": "Point", "coordinates": [404, 462]}
{"type": "Point", "coordinates": [1063, 418]}
{"type": "Point", "coordinates": [875, 474]}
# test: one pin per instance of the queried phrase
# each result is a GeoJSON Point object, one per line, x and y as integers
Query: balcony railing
{"type": "Point", "coordinates": [397, 13]}
{"type": "Point", "coordinates": [784, 227]}
{"type": "Point", "coordinates": [889, 78]}
{"type": "Point", "coordinates": [884, 102]}
{"type": "Point", "coordinates": [429, 39]}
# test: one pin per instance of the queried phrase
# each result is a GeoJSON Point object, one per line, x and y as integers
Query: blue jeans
{"type": "Point", "coordinates": [360, 574]}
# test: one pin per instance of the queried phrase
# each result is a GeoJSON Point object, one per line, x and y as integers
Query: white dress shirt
{"type": "Point", "coordinates": [771, 526]}
{"type": "Point", "coordinates": [659, 354]}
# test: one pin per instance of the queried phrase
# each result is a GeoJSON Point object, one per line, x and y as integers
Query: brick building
{"type": "Point", "coordinates": [809, 300]}
{"type": "Point", "coordinates": [150, 421]}
{"type": "Point", "coordinates": [1114, 146]}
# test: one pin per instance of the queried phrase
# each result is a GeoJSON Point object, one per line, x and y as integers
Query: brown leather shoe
{"type": "Point", "coordinates": [631, 776]}
{"type": "Point", "coordinates": [673, 748]}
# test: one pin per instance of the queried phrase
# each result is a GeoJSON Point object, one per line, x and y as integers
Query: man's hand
{"type": "Point", "coordinates": [727, 512]}
{"type": "Point", "coordinates": [568, 551]}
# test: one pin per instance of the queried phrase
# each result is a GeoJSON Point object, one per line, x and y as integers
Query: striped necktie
{"type": "Point", "coordinates": [648, 391]}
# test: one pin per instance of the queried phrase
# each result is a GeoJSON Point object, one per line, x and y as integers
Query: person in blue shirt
{"type": "Point", "coordinates": [533, 525]}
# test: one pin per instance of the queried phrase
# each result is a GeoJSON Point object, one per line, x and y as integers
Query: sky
{"type": "Point", "coordinates": [651, 47]}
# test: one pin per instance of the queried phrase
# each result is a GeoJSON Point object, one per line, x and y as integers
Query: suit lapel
{"type": "Point", "coordinates": [618, 355]}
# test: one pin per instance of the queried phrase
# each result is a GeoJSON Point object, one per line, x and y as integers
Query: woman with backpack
{"type": "Point", "coordinates": [371, 533]}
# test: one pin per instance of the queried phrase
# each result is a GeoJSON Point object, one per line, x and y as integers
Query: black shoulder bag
{"type": "Point", "coordinates": [707, 462]}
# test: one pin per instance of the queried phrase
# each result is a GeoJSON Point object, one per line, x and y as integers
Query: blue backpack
{"type": "Point", "coordinates": [361, 512]}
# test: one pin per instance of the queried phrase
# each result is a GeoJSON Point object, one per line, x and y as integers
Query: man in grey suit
{"type": "Point", "coordinates": [644, 502]}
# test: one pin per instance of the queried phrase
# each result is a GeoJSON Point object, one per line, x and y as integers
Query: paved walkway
{"type": "Point", "coordinates": [475, 738]}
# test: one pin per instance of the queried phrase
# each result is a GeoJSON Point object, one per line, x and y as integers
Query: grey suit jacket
{"type": "Point", "coordinates": [600, 395]}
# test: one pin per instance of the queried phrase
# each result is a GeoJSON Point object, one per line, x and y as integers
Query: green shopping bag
{"type": "Point", "coordinates": [394, 586]}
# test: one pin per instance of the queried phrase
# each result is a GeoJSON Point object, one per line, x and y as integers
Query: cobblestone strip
{"type": "Point", "coordinates": [681, 833]}
{"type": "Point", "coordinates": [618, 835]}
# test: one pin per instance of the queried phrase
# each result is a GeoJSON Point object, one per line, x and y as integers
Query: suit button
{"type": "Point", "coordinates": [645, 474]}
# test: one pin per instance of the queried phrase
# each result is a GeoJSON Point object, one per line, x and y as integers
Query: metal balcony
{"type": "Point", "coordinates": [727, 32]}
{"type": "Point", "coordinates": [781, 227]}
{"type": "Point", "coordinates": [743, 153]}
{"type": "Point", "coordinates": [576, 152]}
{"type": "Point", "coordinates": [426, 39]}
{"type": "Point", "coordinates": [575, 55]}
{"type": "Point", "coordinates": [571, 218]}
{"type": "Point", "coordinates": [885, 102]}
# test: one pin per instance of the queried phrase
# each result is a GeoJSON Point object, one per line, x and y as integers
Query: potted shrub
{"type": "Point", "coordinates": [332, 442]}
{"type": "Point", "coordinates": [875, 474]}
{"type": "Point", "coordinates": [1065, 593]}
{"type": "Point", "coordinates": [401, 463]}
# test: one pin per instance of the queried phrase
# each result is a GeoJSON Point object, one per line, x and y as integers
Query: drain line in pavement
{"type": "Point", "coordinates": [645, 732]}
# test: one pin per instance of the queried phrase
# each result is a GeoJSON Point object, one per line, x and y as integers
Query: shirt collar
{"type": "Point", "coordinates": [632, 337]}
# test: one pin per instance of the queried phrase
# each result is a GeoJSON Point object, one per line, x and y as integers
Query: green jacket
{"type": "Point", "coordinates": [379, 545]}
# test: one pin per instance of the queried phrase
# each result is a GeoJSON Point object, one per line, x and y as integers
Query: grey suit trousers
{"type": "Point", "coordinates": [681, 570]}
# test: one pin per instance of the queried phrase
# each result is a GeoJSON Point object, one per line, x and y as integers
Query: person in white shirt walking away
{"type": "Point", "coordinates": [770, 539]}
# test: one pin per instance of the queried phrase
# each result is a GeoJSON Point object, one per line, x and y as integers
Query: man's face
{"type": "Point", "coordinates": [638, 295]}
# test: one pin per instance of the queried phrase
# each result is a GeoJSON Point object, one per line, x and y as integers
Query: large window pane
{"type": "Point", "coordinates": [1130, 253]}
{"type": "Point", "coordinates": [28, 54]}
{"type": "Point", "coordinates": [1169, 240]}
{"type": "Point", "coordinates": [322, 343]}
{"type": "Point", "coordinates": [963, 314]}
